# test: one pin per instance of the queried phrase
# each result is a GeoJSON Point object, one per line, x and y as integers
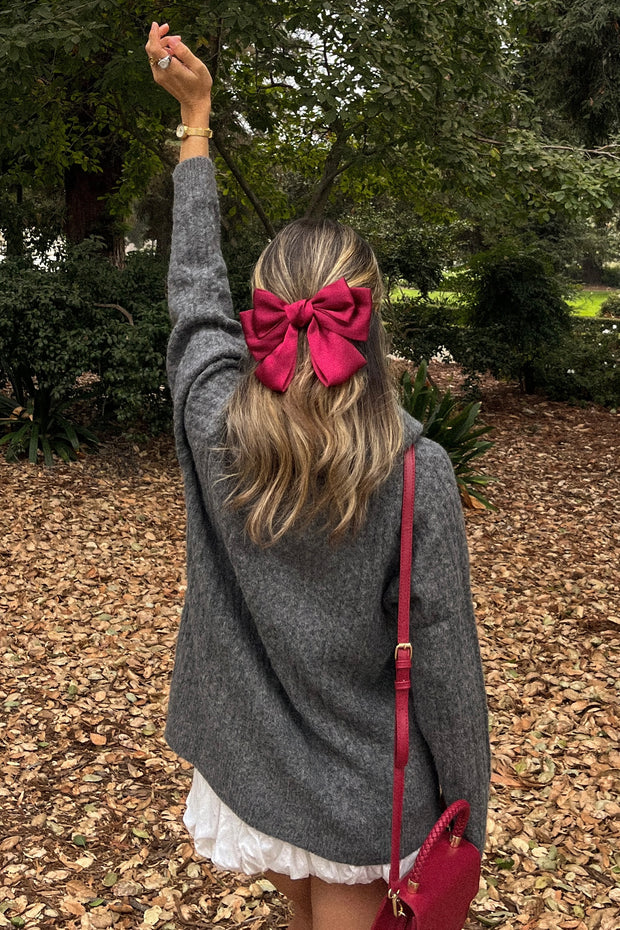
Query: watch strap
{"type": "Point", "coordinates": [193, 131]}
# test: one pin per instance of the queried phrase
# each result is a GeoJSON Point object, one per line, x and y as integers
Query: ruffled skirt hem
{"type": "Point", "coordinates": [231, 844]}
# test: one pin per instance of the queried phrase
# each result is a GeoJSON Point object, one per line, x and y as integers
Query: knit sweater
{"type": "Point", "coordinates": [282, 692]}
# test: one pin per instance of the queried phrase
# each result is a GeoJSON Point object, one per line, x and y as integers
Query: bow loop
{"type": "Point", "coordinates": [336, 316]}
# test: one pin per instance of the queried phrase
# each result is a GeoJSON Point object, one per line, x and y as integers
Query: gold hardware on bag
{"type": "Point", "coordinates": [406, 646]}
{"type": "Point", "coordinates": [455, 840]}
{"type": "Point", "coordinates": [412, 886]}
{"type": "Point", "coordinates": [396, 905]}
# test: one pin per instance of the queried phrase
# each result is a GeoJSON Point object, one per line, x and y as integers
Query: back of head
{"type": "Point", "coordinates": [307, 255]}
{"type": "Point", "coordinates": [313, 451]}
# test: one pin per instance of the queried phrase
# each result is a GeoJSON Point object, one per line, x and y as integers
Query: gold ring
{"type": "Point", "coordinates": [152, 61]}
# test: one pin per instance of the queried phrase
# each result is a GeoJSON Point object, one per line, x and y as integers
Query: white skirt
{"type": "Point", "coordinates": [230, 844]}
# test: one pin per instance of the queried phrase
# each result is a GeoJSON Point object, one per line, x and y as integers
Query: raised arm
{"type": "Point", "coordinates": [206, 345]}
{"type": "Point", "coordinates": [187, 78]}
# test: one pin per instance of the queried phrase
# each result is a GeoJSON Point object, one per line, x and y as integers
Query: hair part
{"type": "Point", "coordinates": [313, 452]}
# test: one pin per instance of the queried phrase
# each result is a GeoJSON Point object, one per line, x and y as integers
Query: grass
{"type": "Point", "coordinates": [587, 302]}
{"type": "Point", "coordinates": [584, 302]}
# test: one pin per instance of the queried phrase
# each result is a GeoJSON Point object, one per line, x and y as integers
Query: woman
{"type": "Point", "coordinates": [291, 444]}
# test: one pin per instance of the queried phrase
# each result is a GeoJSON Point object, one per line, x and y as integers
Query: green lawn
{"type": "Point", "coordinates": [585, 302]}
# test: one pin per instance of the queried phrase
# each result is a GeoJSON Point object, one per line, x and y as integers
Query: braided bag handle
{"type": "Point", "coordinates": [459, 812]}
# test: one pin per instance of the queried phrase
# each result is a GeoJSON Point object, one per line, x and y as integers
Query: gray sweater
{"type": "Point", "coordinates": [282, 692]}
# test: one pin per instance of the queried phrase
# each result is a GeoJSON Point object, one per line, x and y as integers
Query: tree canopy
{"type": "Point", "coordinates": [446, 108]}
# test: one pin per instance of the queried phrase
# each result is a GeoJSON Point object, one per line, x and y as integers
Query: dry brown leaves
{"type": "Point", "coordinates": [91, 799]}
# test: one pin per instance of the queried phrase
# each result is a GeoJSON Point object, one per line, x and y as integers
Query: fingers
{"type": "Point", "coordinates": [153, 47]}
{"type": "Point", "coordinates": [187, 57]}
{"type": "Point", "coordinates": [157, 44]}
{"type": "Point", "coordinates": [186, 77]}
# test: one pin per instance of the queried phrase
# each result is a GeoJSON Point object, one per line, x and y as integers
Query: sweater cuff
{"type": "Point", "coordinates": [194, 170]}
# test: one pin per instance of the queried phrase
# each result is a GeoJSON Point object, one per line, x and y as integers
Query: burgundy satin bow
{"type": "Point", "coordinates": [335, 315]}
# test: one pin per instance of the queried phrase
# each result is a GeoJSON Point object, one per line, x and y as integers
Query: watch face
{"type": "Point", "coordinates": [180, 131]}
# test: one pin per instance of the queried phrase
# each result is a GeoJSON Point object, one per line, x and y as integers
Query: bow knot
{"type": "Point", "coordinates": [300, 313]}
{"type": "Point", "coordinates": [336, 316]}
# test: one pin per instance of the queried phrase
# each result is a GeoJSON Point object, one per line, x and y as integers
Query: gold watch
{"type": "Point", "coordinates": [182, 132]}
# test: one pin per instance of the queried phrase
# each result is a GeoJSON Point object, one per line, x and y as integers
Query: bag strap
{"type": "Point", "coordinates": [402, 655]}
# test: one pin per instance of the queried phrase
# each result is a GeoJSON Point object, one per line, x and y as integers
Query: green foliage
{"type": "Point", "coordinates": [307, 117]}
{"type": "Point", "coordinates": [515, 308]}
{"type": "Point", "coordinates": [421, 329]}
{"type": "Point", "coordinates": [408, 249]}
{"type": "Point", "coordinates": [78, 92]}
{"type": "Point", "coordinates": [571, 57]}
{"type": "Point", "coordinates": [580, 366]}
{"type": "Point", "coordinates": [134, 380]}
{"type": "Point", "coordinates": [131, 335]}
{"type": "Point", "coordinates": [610, 306]}
{"type": "Point", "coordinates": [610, 276]}
{"type": "Point", "coordinates": [583, 368]}
{"type": "Point", "coordinates": [47, 340]}
{"type": "Point", "coordinates": [43, 428]}
{"type": "Point", "coordinates": [82, 329]}
{"type": "Point", "coordinates": [241, 247]}
{"type": "Point", "coordinates": [47, 328]}
{"type": "Point", "coordinates": [454, 427]}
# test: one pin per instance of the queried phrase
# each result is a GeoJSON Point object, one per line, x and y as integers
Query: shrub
{"type": "Point", "coordinates": [610, 307]}
{"type": "Point", "coordinates": [241, 250]}
{"type": "Point", "coordinates": [48, 338]}
{"type": "Point", "coordinates": [41, 426]}
{"type": "Point", "coordinates": [421, 329]}
{"type": "Point", "coordinates": [408, 249]}
{"type": "Point", "coordinates": [611, 276]}
{"type": "Point", "coordinates": [135, 389]}
{"type": "Point", "coordinates": [454, 427]}
{"type": "Point", "coordinates": [583, 368]}
{"type": "Point", "coordinates": [81, 316]}
{"type": "Point", "coordinates": [515, 308]}
{"type": "Point", "coordinates": [134, 382]}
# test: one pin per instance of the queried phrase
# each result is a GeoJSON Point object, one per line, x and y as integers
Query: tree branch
{"type": "Point", "coordinates": [602, 151]}
{"type": "Point", "coordinates": [332, 168]}
{"type": "Point", "coordinates": [118, 307]}
{"type": "Point", "coordinates": [215, 47]}
{"type": "Point", "coordinates": [243, 184]}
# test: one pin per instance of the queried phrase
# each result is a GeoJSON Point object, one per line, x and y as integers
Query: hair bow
{"type": "Point", "coordinates": [335, 315]}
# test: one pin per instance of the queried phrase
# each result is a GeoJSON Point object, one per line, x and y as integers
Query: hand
{"type": "Point", "coordinates": [186, 78]}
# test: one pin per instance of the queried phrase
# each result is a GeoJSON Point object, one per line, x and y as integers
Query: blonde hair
{"type": "Point", "coordinates": [313, 451]}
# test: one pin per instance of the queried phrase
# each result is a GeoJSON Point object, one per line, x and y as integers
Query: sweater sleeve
{"type": "Point", "coordinates": [206, 345]}
{"type": "Point", "coordinates": [448, 690]}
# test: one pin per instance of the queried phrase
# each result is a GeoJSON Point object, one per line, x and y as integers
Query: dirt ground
{"type": "Point", "coordinates": [91, 799]}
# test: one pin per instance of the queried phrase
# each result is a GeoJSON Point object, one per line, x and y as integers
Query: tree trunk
{"type": "Point", "coordinates": [86, 195]}
{"type": "Point", "coordinates": [591, 270]}
{"type": "Point", "coordinates": [13, 227]}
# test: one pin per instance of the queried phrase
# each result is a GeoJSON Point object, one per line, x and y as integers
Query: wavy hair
{"type": "Point", "coordinates": [313, 452]}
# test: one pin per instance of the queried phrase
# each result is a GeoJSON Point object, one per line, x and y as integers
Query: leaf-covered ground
{"type": "Point", "coordinates": [91, 799]}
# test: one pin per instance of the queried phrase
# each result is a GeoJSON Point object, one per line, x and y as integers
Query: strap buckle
{"type": "Point", "coordinates": [406, 646]}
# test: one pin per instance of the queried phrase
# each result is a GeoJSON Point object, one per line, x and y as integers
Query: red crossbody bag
{"type": "Point", "coordinates": [436, 893]}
